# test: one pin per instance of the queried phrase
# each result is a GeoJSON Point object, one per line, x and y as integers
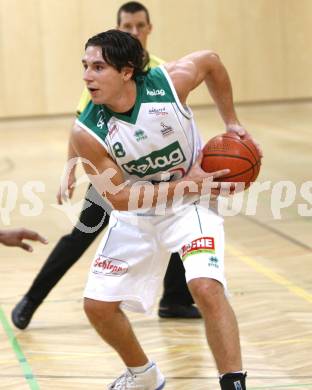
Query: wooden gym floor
{"type": "Point", "coordinates": [268, 265]}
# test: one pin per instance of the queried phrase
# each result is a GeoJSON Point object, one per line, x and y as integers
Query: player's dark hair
{"type": "Point", "coordinates": [120, 49]}
{"type": "Point", "coordinates": [132, 7]}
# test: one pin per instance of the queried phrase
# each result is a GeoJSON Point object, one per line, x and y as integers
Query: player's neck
{"type": "Point", "coordinates": [126, 99]}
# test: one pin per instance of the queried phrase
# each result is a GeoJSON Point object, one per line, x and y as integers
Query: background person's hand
{"type": "Point", "coordinates": [15, 237]}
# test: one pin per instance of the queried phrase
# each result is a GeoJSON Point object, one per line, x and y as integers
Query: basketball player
{"type": "Point", "coordinates": [176, 302]}
{"type": "Point", "coordinates": [15, 237]}
{"type": "Point", "coordinates": [123, 140]}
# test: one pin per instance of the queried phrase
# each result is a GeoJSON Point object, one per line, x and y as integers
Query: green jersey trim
{"type": "Point", "coordinates": [93, 133]}
{"type": "Point", "coordinates": [92, 121]}
{"type": "Point", "coordinates": [157, 88]}
{"type": "Point", "coordinates": [134, 115]}
{"type": "Point", "coordinates": [151, 88]}
{"type": "Point", "coordinates": [183, 109]}
{"type": "Point", "coordinates": [93, 115]}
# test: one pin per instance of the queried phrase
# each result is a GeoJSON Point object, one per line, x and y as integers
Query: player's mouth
{"type": "Point", "coordinates": [93, 91]}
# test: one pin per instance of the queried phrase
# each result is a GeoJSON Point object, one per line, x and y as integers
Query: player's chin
{"type": "Point", "coordinates": [96, 99]}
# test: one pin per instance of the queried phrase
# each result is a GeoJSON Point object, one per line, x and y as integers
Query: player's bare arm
{"type": "Point", "coordinates": [67, 186]}
{"type": "Point", "coordinates": [108, 179]}
{"type": "Point", "coordinates": [191, 70]}
{"type": "Point", "coordinates": [206, 66]}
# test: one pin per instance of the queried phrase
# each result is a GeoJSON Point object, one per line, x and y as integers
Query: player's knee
{"type": "Point", "coordinates": [100, 311]}
{"type": "Point", "coordinates": [89, 308]}
{"type": "Point", "coordinates": [207, 292]}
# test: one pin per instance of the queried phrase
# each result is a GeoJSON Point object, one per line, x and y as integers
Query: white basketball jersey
{"type": "Point", "coordinates": [158, 141]}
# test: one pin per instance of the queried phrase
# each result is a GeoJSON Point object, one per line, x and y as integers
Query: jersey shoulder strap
{"type": "Point", "coordinates": [93, 120]}
{"type": "Point", "coordinates": [159, 88]}
{"type": "Point", "coordinates": [156, 87]}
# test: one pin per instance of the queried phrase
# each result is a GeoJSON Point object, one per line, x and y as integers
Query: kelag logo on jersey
{"type": "Point", "coordinates": [160, 160]}
{"type": "Point", "coordinates": [155, 92]}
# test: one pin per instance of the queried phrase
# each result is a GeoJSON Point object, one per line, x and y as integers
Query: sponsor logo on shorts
{"type": "Point", "coordinates": [200, 245]}
{"type": "Point", "coordinates": [213, 262]}
{"type": "Point", "coordinates": [155, 92]}
{"type": "Point", "coordinates": [238, 385]}
{"type": "Point", "coordinates": [109, 267]}
{"type": "Point", "coordinates": [158, 111]}
{"type": "Point", "coordinates": [158, 161]}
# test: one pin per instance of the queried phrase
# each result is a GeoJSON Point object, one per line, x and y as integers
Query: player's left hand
{"type": "Point", "coordinates": [243, 133]}
{"type": "Point", "coordinates": [67, 187]}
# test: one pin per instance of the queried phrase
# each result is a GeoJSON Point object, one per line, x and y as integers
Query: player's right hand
{"type": "Point", "coordinates": [196, 173]}
{"type": "Point", "coordinates": [243, 134]}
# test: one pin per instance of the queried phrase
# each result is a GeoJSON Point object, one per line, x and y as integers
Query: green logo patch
{"type": "Point", "coordinates": [140, 135]}
{"type": "Point", "coordinates": [213, 262]}
{"type": "Point", "coordinates": [158, 161]}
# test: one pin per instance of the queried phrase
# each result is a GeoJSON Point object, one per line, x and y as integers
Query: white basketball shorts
{"type": "Point", "coordinates": [132, 258]}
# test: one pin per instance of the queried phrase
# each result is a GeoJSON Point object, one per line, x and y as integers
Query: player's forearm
{"type": "Point", "coordinates": [108, 179]}
{"type": "Point", "coordinates": [71, 153]}
{"type": "Point", "coordinates": [220, 88]}
{"type": "Point", "coordinates": [146, 195]}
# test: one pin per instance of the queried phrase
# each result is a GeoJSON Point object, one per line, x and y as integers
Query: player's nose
{"type": "Point", "coordinates": [87, 76]}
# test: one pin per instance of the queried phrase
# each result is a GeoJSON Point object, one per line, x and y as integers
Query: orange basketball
{"type": "Point", "coordinates": [229, 151]}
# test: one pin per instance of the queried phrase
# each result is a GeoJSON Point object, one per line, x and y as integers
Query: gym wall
{"type": "Point", "coordinates": [263, 43]}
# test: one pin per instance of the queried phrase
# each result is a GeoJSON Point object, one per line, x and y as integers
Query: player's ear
{"type": "Point", "coordinates": [150, 28]}
{"type": "Point", "coordinates": [127, 73]}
